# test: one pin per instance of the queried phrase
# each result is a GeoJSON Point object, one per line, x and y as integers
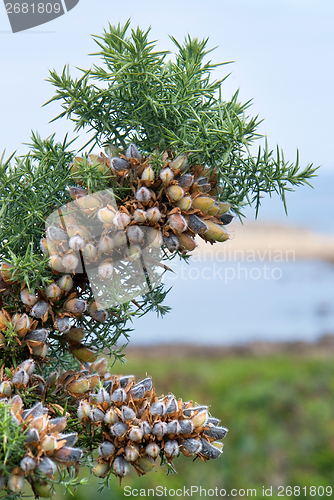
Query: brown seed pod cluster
{"type": "Point", "coordinates": [47, 447]}
{"type": "Point", "coordinates": [138, 427]}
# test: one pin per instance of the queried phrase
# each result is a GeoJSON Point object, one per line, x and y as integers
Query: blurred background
{"type": "Point", "coordinates": [252, 322]}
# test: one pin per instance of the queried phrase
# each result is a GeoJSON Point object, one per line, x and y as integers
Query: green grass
{"type": "Point", "coordinates": [280, 412]}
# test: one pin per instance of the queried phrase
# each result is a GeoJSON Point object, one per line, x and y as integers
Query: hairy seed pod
{"type": "Point", "coordinates": [210, 451]}
{"type": "Point", "coordinates": [134, 251]}
{"type": "Point", "coordinates": [96, 415]}
{"type": "Point", "coordinates": [121, 466]}
{"type": "Point", "coordinates": [171, 449]}
{"type": "Point", "coordinates": [39, 309]}
{"type": "Point", "coordinates": [105, 215]}
{"type": "Point", "coordinates": [128, 414]}
{"type": "Point", "coordinates": [46, 466]}
{"type": "Point", "coordinates": [192, 446]}
{"type": "Point", "coordinates": [154, 238]}
{"type": "Point", "coordinates": [166, 175]}
{"type": "Point", "coordinates": [5, 271]}
{"type": "Point", "coordinates": [88, 202]}
{"type": "Point", "coordinates": [70, 261]}
{"type": "Point", "coordinates": [193, 410]}
{"type": "Point", "coordinates": [76, 306]}
{"type": "Point", "coordinates": [4, 321]}
{"type": "Point", "coordinates": [20, 378]}
{"type": "Point", "coordinates": [199, 419]}
{"type": "Point", "coordinates": [15, 483]}
{"type": "Point", "coordinates": [173, 427]}
{"type": "Point", "coordinates": [196, 224]}
{"type": "Point", "coordinates": [203, 203]}
{"type": "Point", "coordinates": [52, 291]}
{"type": "Point", "coordinates": [6, 388]}
{"type": "Point", "coordinates": [214, 210]}
{"type": "Point", "coordinates": [67, 455]}
{"type": "Point", "coordinates": [27, 464]}
{"type": "Point", "coordinates": [76, 243]}
{"type": "Point", "coordinates": [184, 203]}
{"type": "Point", "coordinates": [178, 223]}
{"type": "Point", "coordinates": [76, 192]}
{"type": "Point", "coordinates": [83, 410]}
{"type": "Point", "coordinates": [179, 163]}
{"type": "Point", "coordinates": [57, 424]}
{"type": "Point", "coordinates": [171, 242]}
{"type": "Point", "coordinates": [131, 453]}
{"type": "Point", "coordinates": [132, 152]}
{"type": "Point", "coordinates": [147, 429]}
{"type": "Point", "coordinates": [145, 464]}
{"type": "Point", "coordinates": [148, 174]}
{"type": "Point", "coordinates": [83, 353]}
{"type": "Point", "coordinates": [186, 181]}
{"type": "Point", "coordinates": [143, 195]}
{"type": "Point", "coordinates": [136, 434]}
{"type": "Point", "coordinates": [216, 432]}
{"type": "Point", "coordinates": [32, 436]}
{"type": "Point", "coordinates": [119, 429]}
{"type": "Point", "coordinates": [106, 449]}
{"type": "Point", "coordinates": [101, 469]}
{"type": "Point", "coordinates": [119, 164]}
{"type": "Point", "coordinates": [203, 184]}
{"type": "Point", "coordinates": [139, 215]}
{"type": "Point", "coordinates": [56, 263]}
{"type": "Point", "coordinates": [102, 396]}
{"type": "Point", "coordinates": [101, 367]}
{"type": "Point", "coordinates": [62, 324]}
{"type": "Point", "coordinates": [40, 349]}
{"type": "Point", "coordinates": [105, 270]}
{"type": "Point", "coordinates": [226, 219]}
{"type": "Point", "coordinates": [35, 411]}
{"type": "Point", "coordinates": [106, 244]}
{"type": "Point", "coordinates": [186, 426]}
{"type": "Point", "coordinates": [39, 335]}
{"type": "Point", "coordinates": [56, 234]}
{"type": "Point", "coordinates": [218, 445]}
{"type": "Point", "coordinates": [120, 239]}
{"type": "Point", "coordinates": [223, 207]}
{"type": "Point", "coordinates": [135, 234]}
{"type": "Point", "coordinates": [213, 421]}
{"type": "Point", "coordinates": [153, 214]}
{"type": "Point", "coordinates": [159, 428]}
{"type": "Point", "coordinates": [48, 443]}
{"type": "Point", "coordinates": [93, 380]}
{"type": "Point", "coordinates": [97, 313]}
{"type": "Point", "coordinates": [119, 396]}
{"type": "Point", "coordinates": [172, 406]}
{"type": "Point", "coordinates": [111, 417]}
{"type": "Point", "coordinates": [28, 365]}
{"type": "Point", "coordinates": [42, 489]}
{"type": "Point", "coordinates": [66, 283]}
{"type": "Point", "coordinates": [175, 192]}
{"type": "Point", "coordinates": [146, 383]}
{"type": "Point", "coordinates": [79, 386]}
{"type": "Point", "coordinates": [28, 299]}
{"type": "Point", "coordinates": [16, 404]}
{"type": "Point", "coordinates": [75, 334]}
{"type": "Point", "coordinates": [21, 324]}
{"type": "Point", "coordinates": [152, 450]}
{"type": "Point", "coordinates": [121, 220]}
{"type": "Point", "coordinates": [158, 408]}
{"type": "Point", "coordinates": [216, 232]}
{"type": "Point", "coordinates": [186, 242]}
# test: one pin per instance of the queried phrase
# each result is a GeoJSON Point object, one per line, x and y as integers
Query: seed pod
{"type": "Point", "coordinates": [153, 214]}
{"type": "Point", "coordinates": [27, 464]}
{"type": "Point", "coordinates": [32, 436]}
{"type": "Point", "coordinates": [158, 408]}
{"type": "Point", "coordinates": [21, 324]}
{"type": "Point", "coordinates": [209, 451]}
{"type": "Point", "coordinates": [166, 175]}
{"type": "Point", "coordinates": [172, 406]}
{"type": "Point", "coordinates": [171, 242]}
{"type": "Point", "coordinates": [40, 349]}
{"type": "Point", "coordinates": [28, 299]}
{"type": "Point", "coordinates": [66, 283]}
{"type": "Point", "coordinates": [76, 306]}
{"type": "Point", "coordinates": [186, 426]}
{"type": "Point", "coordinates": [121, 466]}
{"type": "Point", "coordinates": [106, 449]}
{"type": "Point", "coordinates": [226, 219]}
{"type": "Point", "coordinates": [76, 192]}
{"type": "Point", "coordinates": [15, 483]}
{"type": "Point", "coordinates": [46, 466]}
{"type": "Point", "coordinates": [152, 450]}
{"type": "Point", "coordinates": [111, 417]}
{"type": "Point", "coordinates": [101, 367]}
{"type": "Point", "coordinates": [62, 324]}
{"type": "Point", "coordinates": [105, 215]}
{"type": "Point", "coordinates": [192, 446]}
{"type": "Point", "coordinates": [2, 340]}
{"type": "Point", "coordinates": [136, 434]}
{"type": "Point", "coordinates": [196, 224]}
{"type": "Point", "coordinates": [154, 238]}
{"type": "Point", "coordinates": [70, 261]}
{"type": "Point", "coordinates": [214, 210]}
{"type": "Point", "coordinates": [224, 207]}
{"type": "Point", "coordinates": [132, 152]}
{"type": "Point", "coordinates": [135, 234]}
{"type": "Point", "coordinates": [79, 386]}
{"type": "Point", "coordinates": [186, 242]}
{"type": "Point", "coordinates": [67, 455]}
{"type": "Point", "coordinates": [39, 309]}
{"type": "Point", "coordinates": [202, 203]}
{"type": "Point", "coordinates": [171, 449]}
{"type": "Point", "coordinates": [49, 443]}
{"type": "Point", "coordinates": [88, 202]}
{"type": "Point", "coordinates": [83, 410]}
{"type": "Point", "coordinates": [96, 415]}
{"type": "Point", "coordinates": [83, 353]}
{"type": "Point", "coordinates": [106, 244]}
{"type": "Point", "coordinates": [134, 251]}
{"type": "Point", "coordinates": [39, 335]}
{"type": "Point", "coordinates": [56, 234]}
{"type": "Point", "coordinates": [216, 232]}
{"type": "Point", "coordinates": [203, 184]}
{"type": "Point", "coordinates": [42, 489]}
{"type": "Point", "coordinates": [16, 404]}
{"type": "Point", "coordinates": [55, 262]}
{"type": "Point", "coordinates": [57, 424]}
{"type": "Point", "coordinates": [93, 380]}
{"type": "Point", "coordinates": [139, 215]}
{"type": "Point", "coordinates": [121, 220]}
{"type": "Point", "coordinates": [101, 469]}
{"type": "Point", "coordinates": [177, 222]}
{"type": "Point", "coordinates": [159, 428]}
{"type": "Point", "coordinates": [20, 378]}
{"type": "Point", "coordinates": [175, 192]}
{"type": "Point", "coordinates": [179, 163]}
{"type": "Point", "coordinates": [6, 388]}
{"type": "Point", "coordinates": [75, 334]}
{"type": "Point", "coordinates": [89, 251]}
{"type": "Point", "coordinates": [127, 414]}
{"type": "Point", "coordinates": [76, 243]}
{"type": "Point", "coordinates": [218, 445]}
{"type": "Point", "coordinates": [148, 174]}
{"type": "Point", "coordinates": [199, 419]}
{"type": "Point", "coordinates": [193, 410]}
{"type": "Point", "coordinates": [70, 439]}
{"type": "Point", "coordinates": [145, 464]}
{"type": "Point", "coordinates": [184, 203]}
{"type": "Point", "coordinates": [131, 453]}
{"type": "Point", "coordinates": [143, 195]}
{"type": "Point", "coordinates": [125, 380]}
{"type": "Point", "coordinates": [119, 164]}
{"type": "Point", "coordinates": [119, 429]}
{"type": "Point", "coordinates": [105, 270]}
{"type": "Point", "coordinates": [216, 432]}
{"type": "Point", "coordinates": [5, 271]}
{"type": "Point", "coordinates": [147, 429]}
{"type": "Point", "coordinates": [53, 291]}
{"type": "Point", "coordinates": [213, 421]}
{"type": "Point", "coordinates": [173, 427]}
{"type": "Point", "coordinates": [120, 239]}
{"type": "Point", "coordinates": [36, 411]}
{"type": "Point", "coordinates": [186, 180]}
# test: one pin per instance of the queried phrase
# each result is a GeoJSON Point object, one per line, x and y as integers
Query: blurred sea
{"type": "Point", "coordinates": [233, 302]}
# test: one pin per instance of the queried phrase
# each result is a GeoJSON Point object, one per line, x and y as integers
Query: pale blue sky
{"type": "Point", "coordinates": [283, 53]}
